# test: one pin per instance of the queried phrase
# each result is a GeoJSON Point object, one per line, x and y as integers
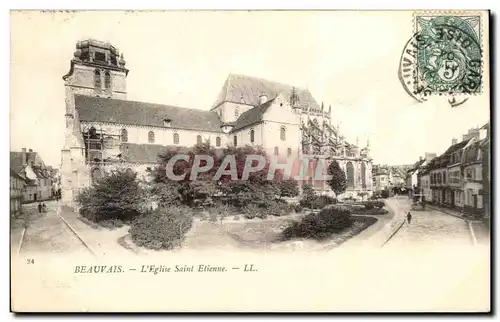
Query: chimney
{"type": "Point", "coordinates": [429, 156]}
{"type": "Point", "coordinates": [483, 133]}
{"type": "Point", "coordinates": [23, 156]}
{"type": "Point", "coordinates": [262, 98]}
{"type": "Point", "coordinates": [454, 141]}
{"type": "Point", "coordinates": [465, 137]}
{"type": "Point", "coordinates": [421, 158]}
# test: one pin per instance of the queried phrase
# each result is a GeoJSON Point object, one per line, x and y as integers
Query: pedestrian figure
{"type": "Point", "coordinates": [39, 207]}
{"type": "Point", "coordinates": [408, 217]}
{"type": "Point", "coordinates": [44, 208]}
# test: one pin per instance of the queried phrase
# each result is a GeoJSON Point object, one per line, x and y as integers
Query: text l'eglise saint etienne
{"type": "Point", "coordinates": [157, 269]}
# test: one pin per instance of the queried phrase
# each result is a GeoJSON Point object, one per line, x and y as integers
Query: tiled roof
{"type": "Point", "coordinates": [416, 165]}
{"type": "Point", "coordinates": [17, 175]}
{"type": "Point", "coordinates": [96, 109]}
{"type": "Point", "coordinates": [250, 88]}
{"type": "Point", "coordinates": [252, 116]}
{"type": "Point", "coordinates": [144, 153]}
{"type": "Point", "coordinates": [16, 161]}
{"type": "Point", "coordinates": [456, 147]}
{"type": "Point", "coordinates": [471, 153]}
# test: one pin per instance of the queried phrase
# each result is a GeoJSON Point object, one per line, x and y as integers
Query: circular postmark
{"type": "Point", "coordinates": [443, 57]}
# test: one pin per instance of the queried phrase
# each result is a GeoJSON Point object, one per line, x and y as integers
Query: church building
{"type": "Point", "coordinates": [105, 131]}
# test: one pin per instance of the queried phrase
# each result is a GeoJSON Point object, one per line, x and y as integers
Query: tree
{"type": "Point", "coordinates": [117, 195]}
{"type": "Point", "coordinates": [338, 182]}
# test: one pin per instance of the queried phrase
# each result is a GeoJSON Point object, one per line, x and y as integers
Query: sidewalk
{"type": "Point", "coordinates": [478, 228]}
{"type": "Point", "coordinates": [447, 211]}
{"type": "Point", "coordinates": [102, 241]}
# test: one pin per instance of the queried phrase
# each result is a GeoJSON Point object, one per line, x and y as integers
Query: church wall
{"type": "Point", "coordinates": [243, 136]}
{"type": "Point", "coordinates": [228, 110]}
{"type": "Point", "coordinates": [163, 136]}
{"type": "Point", "coordinates": [272, 133]}
{"type": "Point", "coordinates": [281, 115]}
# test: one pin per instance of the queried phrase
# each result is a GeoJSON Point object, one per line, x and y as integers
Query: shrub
{"type": "Point", "coordinates": [321, 225]}
{"type": "Point", "coordinates": [278, 209]}
{"type": "Point", "coordinates": [298, 208]}
{"type": "Point", "coordinates": [163, 229]}
{"type": "Point", "coordinates": [116, 196]}
{"type": "Point", "coordinates": [369, 204]}
{"type": "Point", "coordinates": [111, 223]}
{"type": "Point", "coordinates": [287, 188]}
{"type": "Point", "coordinates": [252, 211]}
{"type": "Point", "coordinates": [323, 201]}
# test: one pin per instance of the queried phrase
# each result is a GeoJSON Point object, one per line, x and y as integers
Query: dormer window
{"type": "Point", "coordinates": [101, 57]}
{"type": "Point", "coordinates": [167, 123]}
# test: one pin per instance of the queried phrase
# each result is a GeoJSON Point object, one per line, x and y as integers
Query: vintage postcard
{"type": "Point", "coordinates": [250, 161]}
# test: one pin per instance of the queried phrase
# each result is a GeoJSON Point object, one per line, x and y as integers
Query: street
{"type": "Point", "coordinates": [48, 233]}
{"type": "Point", "coordinates": [428, 228]}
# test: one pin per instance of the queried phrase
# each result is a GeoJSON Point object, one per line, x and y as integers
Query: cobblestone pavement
{"type": "Point", "coordinates": [47, 233]}
{"type": "Point", "coordinates": [431, 228]}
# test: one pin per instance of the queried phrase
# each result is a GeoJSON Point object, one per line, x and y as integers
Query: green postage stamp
{"type": "Point", "coordinates": [444, 56]}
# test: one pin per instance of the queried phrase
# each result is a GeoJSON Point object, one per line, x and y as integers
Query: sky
{"type": "Point", "coordinates": [347, 59]}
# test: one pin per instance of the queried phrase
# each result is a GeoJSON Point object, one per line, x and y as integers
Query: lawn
{"type": "Point", "coordinates": [265, 234]}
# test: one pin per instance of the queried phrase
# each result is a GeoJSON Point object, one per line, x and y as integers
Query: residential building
{"type": "Point", "coordinates": [381, 180]}
{"type": "Point", "coordinates": [473, 179]}
{"type": "Point", "coordinates": [105, 131]}
{"type": "Point", "coordinates": [30, 165]}
{"type": "Point", "coordinates": [486, 172]}
{"type": "Point", "coordinates": [456, 176]}
{"type": "Point", "coordinates": [425, 182]}
{"type": "Point", "coordinates": [17, 188]}
{"type": "Point", "coordinates": [413, 183]}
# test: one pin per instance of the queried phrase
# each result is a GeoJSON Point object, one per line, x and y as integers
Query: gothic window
{"type": "Point", "coordinates": [217, 141]}
{"type": "Point", "coordinates": [276, 150]}
{"type": "Point", "coordinates": [107, 80]}
{"type": "Point", "coordinates": [350, 175]}
{"type": "Point", "coordinates": [96, 175]}
{"type": "Point", "coordinates": [252, 135]}
{"type": "Point", "coordinates": [198, 139]}
{"type": "Point", "coordinates": [236, 112]}
{"type": "Point", "coordinates": [235, 140]}
{"type": "Point", "coordinates": [289, 152]}
{"type": "Point", "coordinates": [283, 133]}
{"type": "Point", "coordinates": [124, 135]}
{"type": "Point", "coordinates": [151, 137]}
{"type": "Point", "coordinates": [97, 78]}
{"type": "Point", "coordinates": [176, 138]}
{"type": "Point", "coordinates": [363, 175]}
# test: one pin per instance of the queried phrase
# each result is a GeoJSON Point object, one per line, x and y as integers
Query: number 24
{"type": "Point", "coordinates": [30, 261]}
